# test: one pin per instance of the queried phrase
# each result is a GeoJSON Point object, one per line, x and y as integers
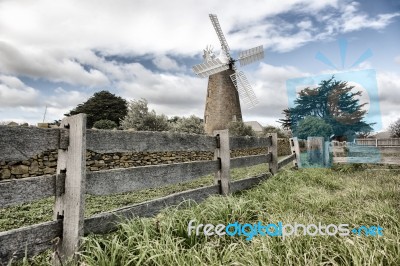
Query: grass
{"type": "Point", "coordinates": [330, 196]}
{"type": "Point", "coordinates": [42, 210]}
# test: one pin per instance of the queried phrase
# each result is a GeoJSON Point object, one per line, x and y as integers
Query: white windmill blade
{"type": "Point", "coordinates": [209, 67]}
{"type": "Point", "coordinates": [251, 55]}
{"type": "Point", "coordinates": [246, 93]}
{"type": "Point", "coordinates": [221, 37]}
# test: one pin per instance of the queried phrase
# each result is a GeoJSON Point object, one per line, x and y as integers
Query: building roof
{"type": "Point", "coordinates": [257, 127]}
{"type": "Point", "coordinates": [382, 135]}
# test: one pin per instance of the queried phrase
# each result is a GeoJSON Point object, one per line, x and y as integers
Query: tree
{"type": "Point", "coordinates": [394, 129]}
{"type": "Point", "coordinates": [192, 124]}
{"type": "Point", "coordinates": [312, 126]}
{"type": "Point", "coordinates": [139, 118]}
{"type": "Point", "coordinates": [272, 129]}
{"type": "Point", "coordinates": [335, 103]}
{"type": "Point", "coordinates": [287, 121]}
{"type": "Point", "coordinates": [238, 128]}
{"type": "Point", "coordinates": [105, 124]}
{"type": "Point", "coordinates": [102, 105]}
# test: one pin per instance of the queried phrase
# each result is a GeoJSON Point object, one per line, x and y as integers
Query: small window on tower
{"type": "Point", "coordinates": [234, 118]}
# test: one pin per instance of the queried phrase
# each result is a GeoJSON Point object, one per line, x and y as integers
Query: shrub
{"type": "Point", "coordinates": [105, 124]}
{"type": "Point", "coordinates": [192, 124]}
{"type": "Point", "coordinates": [238, 129]}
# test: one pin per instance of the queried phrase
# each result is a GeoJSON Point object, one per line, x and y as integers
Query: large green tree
{"type": "Point", "coordinates": [141, 119]}
{"type": "Point", "coordinates": [335, 103]}
{"type": "Point", "coordinates": [102, 105]}
{"type": "Point", "coordinates": [312, 126]}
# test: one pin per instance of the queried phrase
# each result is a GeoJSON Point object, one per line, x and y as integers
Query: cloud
{"type": "Point", "coordinates": [167, 93]}
{"type": "Point", "coordinates": [305, 24]}
{"type": "Point", "coordinates": [66, 45]}
{"type": "Point", "coordinates": [397, 59]}
{"type": "Point", "coordinates": [389, 92]}
{"type": "Point", "coordinates": [269, 84]}
{"type": "Point", "coordinates": [166, 63]}
{"type": "Point", "coordinates": [52, 65]}
{"type": "Point", "coordinates": [353, 19]}
{"type": "Point", "coordinates": [14, 92]}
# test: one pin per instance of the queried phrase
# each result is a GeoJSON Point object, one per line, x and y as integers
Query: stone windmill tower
{"type": "Point", "coordinates": [226, 83]}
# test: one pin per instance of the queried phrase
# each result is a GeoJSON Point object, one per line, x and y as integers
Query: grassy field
{"type": "Point", "coordinates": [350, 195]}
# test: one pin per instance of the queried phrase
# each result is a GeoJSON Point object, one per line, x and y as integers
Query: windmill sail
{"type": "Point", "coordinates": [221, 37]}
{"type": "Point", "coordinates": [251, 55]}
{"type": "Point", "coordinates": [209, 67]}
{"type": "Point", "coordinates": [246, 93]}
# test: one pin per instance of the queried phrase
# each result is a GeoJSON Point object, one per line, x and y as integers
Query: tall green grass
{"type": "Point", "coordinates": [351, 195]}
{"type": "Point", "coordinates": [305, 196]}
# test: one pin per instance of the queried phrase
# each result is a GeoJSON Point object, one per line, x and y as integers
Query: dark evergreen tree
{"type": "Point", "coordinates": [102, 105]}
{"type": "Point", "coordinates": [286, 122]}
{"type": "Point", "coordinates": [335, 103]}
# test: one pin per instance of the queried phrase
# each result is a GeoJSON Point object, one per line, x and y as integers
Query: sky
{"type": "Point", "coordinates": [58, 53]}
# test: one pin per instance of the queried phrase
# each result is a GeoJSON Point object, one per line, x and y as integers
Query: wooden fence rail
{"type": "Point", "coordinates": [71, 182]}
{"type": "Point", "coordinates": [378, 142]}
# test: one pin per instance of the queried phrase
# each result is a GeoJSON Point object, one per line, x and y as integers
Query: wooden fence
{"type": "Point", "coordinates": [323, 153]}
{"type": "Point", "coordinates": [71, 182]}
{"type": "Point", "coordinates": [378, 142]}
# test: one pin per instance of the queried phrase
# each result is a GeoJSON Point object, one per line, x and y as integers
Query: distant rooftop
{"type": "Point", "coordinates": [381, 135]}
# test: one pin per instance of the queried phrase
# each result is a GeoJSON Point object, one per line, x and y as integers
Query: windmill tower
{"type": "Point", "coordinates": [226, 85]}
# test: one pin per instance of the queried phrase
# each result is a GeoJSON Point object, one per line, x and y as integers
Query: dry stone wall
{"type": "Point", "coordinates": [46, 162]}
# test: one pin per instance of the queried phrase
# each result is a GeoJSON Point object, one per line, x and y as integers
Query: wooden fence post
{"type": "Point", "coordinates": [327, 154]}
{"type": "Point", "coordinates": [315, 150]}
{"type": "Point", "coordinates": [222, 154]}
{"type": "Point", "coordinates": [273, 150]}
{"type": "Point", "coordinates": [70, 188]}
{"type": "Point", "coordinates": [294, 146]}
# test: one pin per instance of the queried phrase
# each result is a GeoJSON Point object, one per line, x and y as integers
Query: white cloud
{"type": "Point", "coordinates": [397, 59]}
{"type": "Point", "coordinates": [133, 27]}
{"type": "Point", "coordinates": [64, 43]}
{"type": "Point", "coordinates": [51, 64]}
{"type": "Point", "coordinates": [305, 24]}
{"type": "Point", "coordinates": [14, 92]}
{"type": "Point", "coordinates": [389, 95]}
{"type": "Point", "coordinates": [353, 19]}
{"type": "Point", "coordinates": [166, 63]}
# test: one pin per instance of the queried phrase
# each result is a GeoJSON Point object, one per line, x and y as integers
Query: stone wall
{"type": "Point", "coordinates": [46, 162]}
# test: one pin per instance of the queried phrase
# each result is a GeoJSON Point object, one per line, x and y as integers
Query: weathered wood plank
{"type": "Point", "coordinates": [22, 143]}
{"type": "Point", "coordinates": [70, 205]}
{"type": "Point", "coordinates": [295, 148]}
{"type": "Point", "coordinates": [136, 178]}
{"type": "Point", "coordinates": [286, 160]}
{"type": "Point", "coordinates": [248, 182]}
{"type": "Point", "coordinates": [249, 142]}
{"type": "Point", "coordinates": [246, 161]}
{"type": "Point", "coordinates": [36, 239]}
{"type": "Point", "coordinates": [108, 141]}
{"type": "Point", "coordinates": [372, 160]}
{"type": "Point", "coordinates": [273, 150]}
{"type": "Point", "coordinates": [18, 191]}
{"type": "Point", "coordinates": [222, 154]}
{"type": "Point", "coordinates": [107, 222]}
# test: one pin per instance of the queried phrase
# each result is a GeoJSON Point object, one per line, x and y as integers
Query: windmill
{"type": "Point", "coordinates": [226, 83]}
